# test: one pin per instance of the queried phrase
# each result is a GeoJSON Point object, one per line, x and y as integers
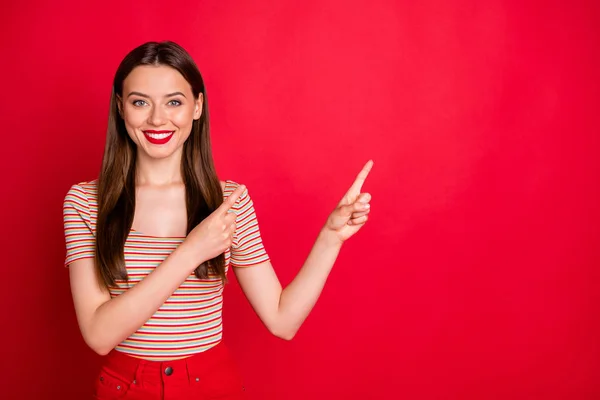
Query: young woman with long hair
{"type": "Point", "coordinates": [150, 241]}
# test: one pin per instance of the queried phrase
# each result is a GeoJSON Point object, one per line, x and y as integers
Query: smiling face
{"type": "Point", "coordinates": [159, 109]}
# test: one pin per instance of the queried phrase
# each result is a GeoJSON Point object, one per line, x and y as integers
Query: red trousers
{"type": "Point", "coordinates": [207, 375]}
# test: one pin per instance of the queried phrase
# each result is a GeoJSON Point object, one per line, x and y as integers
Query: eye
{"type": "Point", "coordinates": [174, 103]}
{"type": "Point", "coordinates": [137, 103]}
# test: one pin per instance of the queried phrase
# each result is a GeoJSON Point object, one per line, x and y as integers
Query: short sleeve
{"type": "Point", "coordinates": [247, 248]}
{"type": "Point", "coordinates": [79, 237]}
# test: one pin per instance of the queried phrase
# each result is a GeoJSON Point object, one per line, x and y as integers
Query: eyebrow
{"type": "Point", "coordinates": [146, 96]}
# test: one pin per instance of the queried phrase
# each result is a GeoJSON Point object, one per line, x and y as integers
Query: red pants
{"type": "Point", "coordinates": [207, 375]}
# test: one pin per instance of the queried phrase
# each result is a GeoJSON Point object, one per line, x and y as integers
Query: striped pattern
{"type": "Point", "coordinates": [190, 320]}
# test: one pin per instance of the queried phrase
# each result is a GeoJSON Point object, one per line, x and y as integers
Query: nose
{"type": "Point", "coordinates": [157, 116]}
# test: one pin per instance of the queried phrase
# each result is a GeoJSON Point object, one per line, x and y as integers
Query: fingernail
{"type": "Point", "coordinates": [367, 205]}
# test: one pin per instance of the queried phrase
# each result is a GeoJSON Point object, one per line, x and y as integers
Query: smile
{"type": "Point", "coordinates": [158, 137]}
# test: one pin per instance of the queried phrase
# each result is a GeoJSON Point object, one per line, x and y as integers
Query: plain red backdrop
{"type": "Point", "coordinates": [477, 275]}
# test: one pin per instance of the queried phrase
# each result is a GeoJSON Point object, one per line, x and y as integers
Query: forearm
{"type": "Point", "coordinates": [284, 310]}
{"type": "Point", "coordinates": [118, 318]}
{"type": "Point", "coordinates": [299, 297]}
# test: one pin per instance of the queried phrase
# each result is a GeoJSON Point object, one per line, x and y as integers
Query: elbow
{"type": "Point", "coordinates": [287, 336]}
{"type": "Point", "coordinates": [101, 350]}
{"type": "Point", "coordinates": [284, 333]}
{"type": "Point", "coordinates": [98, 346]}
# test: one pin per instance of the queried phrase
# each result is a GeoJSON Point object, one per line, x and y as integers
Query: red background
{"type": "Point", "coordinates": [477, 275]}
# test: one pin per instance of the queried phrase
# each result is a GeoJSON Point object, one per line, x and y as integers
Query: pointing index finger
{"type": "Point", "coordinates": [360, 179]}
{"type": "Point", "coordinates": [233, 197]}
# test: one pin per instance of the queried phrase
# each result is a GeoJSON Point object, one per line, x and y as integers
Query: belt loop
{"type": "Point", "coordinates": [138, 376]}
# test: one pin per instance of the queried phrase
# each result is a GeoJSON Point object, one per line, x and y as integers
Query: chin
{"type": "Point", "coordinates": [163, 153]}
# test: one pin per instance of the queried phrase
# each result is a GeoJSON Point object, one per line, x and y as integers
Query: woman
{"type": "Point", "coordinates": [149, 243]}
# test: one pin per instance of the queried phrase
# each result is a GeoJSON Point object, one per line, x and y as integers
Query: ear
{"type": "Point", "coordinates": [198, 106]}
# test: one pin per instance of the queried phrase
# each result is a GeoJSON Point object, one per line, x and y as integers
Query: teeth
{"type": "Point", "coordinates": [159, 135]}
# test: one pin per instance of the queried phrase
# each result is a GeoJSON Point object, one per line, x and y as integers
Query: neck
{"type": "Point", "coordinates": [158, 172]}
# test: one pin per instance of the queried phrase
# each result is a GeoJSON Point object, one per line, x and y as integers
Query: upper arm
{"type": "Point", "coordinates": [88, 294]}
{"type": "Point", "coordinates": [80, 242]}
{"type": "Point", "coordinates": [251, 262]}
{"type": "Point", "coordinates": [247, 248]}
{"type": "Point", "coordinates": [262, 289]}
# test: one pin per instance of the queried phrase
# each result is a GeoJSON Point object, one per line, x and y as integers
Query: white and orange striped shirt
{"type": "Point", "coordinates": [190, 320]}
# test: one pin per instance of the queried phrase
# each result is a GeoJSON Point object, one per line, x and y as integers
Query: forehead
{"type": "Point", "coordinates": [155, 81]}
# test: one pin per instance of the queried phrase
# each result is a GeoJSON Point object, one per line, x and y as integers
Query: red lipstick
{"type": "Point", "coordinates": [158, 137]}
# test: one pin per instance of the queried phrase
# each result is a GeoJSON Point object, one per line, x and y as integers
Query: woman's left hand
{"type": "Point", "coordinates": [351, 214]}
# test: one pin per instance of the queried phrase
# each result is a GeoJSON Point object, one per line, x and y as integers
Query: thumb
{"type": "Point", "coordinates": [341, 215]}
{"type": "Point", "coordinates": [347, 210]}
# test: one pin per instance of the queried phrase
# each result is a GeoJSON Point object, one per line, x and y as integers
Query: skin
{"type": "Point", "coordinates": [106, 322]}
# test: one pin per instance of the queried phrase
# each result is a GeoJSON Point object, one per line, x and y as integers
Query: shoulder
{"type": "Point", "coordinates": [243, 202]}
{"type": "Point", "coordinates": [85, 187]}
{"type": "Point", "coordinates": [83, 194]}
{"type": "Point", "coordinates": [230, 186]}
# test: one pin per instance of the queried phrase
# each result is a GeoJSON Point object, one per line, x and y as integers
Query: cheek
{"type": "Point", "coordinates": [134, 118]}
{"type": "Point", "coordinates": [182, 116]}
{"type": "Point", "coordinates": [132, 122]}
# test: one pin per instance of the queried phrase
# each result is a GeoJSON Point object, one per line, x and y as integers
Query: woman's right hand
{"type": "Point", "coordinates": [214, 235]}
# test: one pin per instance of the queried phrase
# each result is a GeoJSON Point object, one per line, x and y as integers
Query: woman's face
{"type": "Point", "coordinates": [158, 108]}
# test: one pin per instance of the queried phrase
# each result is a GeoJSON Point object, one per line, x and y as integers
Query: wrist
{"type": "Point", "coordinates": [190, 255]}
{"type": "Point", "coordinates": [330, 238]}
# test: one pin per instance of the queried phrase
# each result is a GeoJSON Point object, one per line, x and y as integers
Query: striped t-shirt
{"type": "Point", "coordinates": [190, 320]}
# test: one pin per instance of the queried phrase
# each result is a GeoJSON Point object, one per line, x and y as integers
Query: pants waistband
{"type": "Point", "coordinates": [188, 369]}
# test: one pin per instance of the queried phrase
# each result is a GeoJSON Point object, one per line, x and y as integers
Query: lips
{"type": "Point", "coordinates": [158, 137]}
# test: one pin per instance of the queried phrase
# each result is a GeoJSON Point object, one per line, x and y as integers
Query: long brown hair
{"type": "Point", "coordinates": [116, 183]}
